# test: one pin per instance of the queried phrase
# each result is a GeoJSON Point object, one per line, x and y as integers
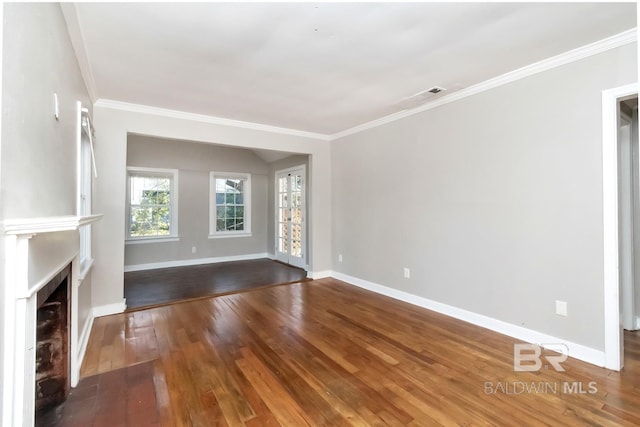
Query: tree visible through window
{"type": "Point", "coordinates": [151, 204]}
{"type": "Point", "coordinates": [230, 204]}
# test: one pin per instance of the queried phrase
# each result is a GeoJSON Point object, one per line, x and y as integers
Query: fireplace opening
{"type": "Point", "coordinates": [52, 379]}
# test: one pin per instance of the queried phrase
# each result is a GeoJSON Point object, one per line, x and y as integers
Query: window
{"type": "Point", "coordinates": [152, 203]}
{"type": "Point", "coordinates": [86, 172]}
{"type": "Point", "coordinates": [230, 205]}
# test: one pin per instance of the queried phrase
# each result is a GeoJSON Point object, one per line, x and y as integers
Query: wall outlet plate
{"type": "Point", "coordinates": [561, 308]}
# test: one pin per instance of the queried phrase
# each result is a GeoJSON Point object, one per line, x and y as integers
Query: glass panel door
{"type": "Point", "coordinates": [290, 213]}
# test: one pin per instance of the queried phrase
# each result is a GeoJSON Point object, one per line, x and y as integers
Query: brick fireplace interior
{"type": "Point", "coordinates": [52, 376]}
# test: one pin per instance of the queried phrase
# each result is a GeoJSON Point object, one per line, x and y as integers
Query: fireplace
{"type": "Point", "coordinates": [52, 380]}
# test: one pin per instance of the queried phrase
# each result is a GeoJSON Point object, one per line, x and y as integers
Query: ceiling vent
{"type": "Point", "coordinates": [419, 98]}
{"type": "Point", "coordinates": [436, 89]}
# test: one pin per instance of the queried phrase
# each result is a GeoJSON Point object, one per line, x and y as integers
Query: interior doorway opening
{"type": "Point", "coordinates": [629, 221]}
{"type": "Point", "coordinates": [629, 212]}
{"type": "Point", "coordinates": [619, 197]}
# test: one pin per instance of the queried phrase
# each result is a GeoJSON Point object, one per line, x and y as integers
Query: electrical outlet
{"type": "Point", "coordinates": [193, 249]}
{"type": "Point", "coordinates": [407, 273]}
{"type": "Point", "coordinates": [561, 308]}
{"type": "Point", "coordinates": [340, 258]}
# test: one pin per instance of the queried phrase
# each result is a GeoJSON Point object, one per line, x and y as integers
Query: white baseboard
{"type": "Point", "coordinates": [109, 309]}
{"type": "Point", "coordinates": [197, 261]}
{"type": "Point", "coordinates": [319, 274]}
{"type": "Point", "coordinates": [637, 322]}
{"type": "Point", "coordinates": [578, 351]}
{"type": "Point", "coordinates": [83, 340]}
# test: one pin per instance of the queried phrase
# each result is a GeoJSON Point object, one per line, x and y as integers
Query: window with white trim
{"type": "Point", "coordinates": [86, 173]}
{"type": "Point", "coordinates": [152, 203]}
{"type": "Point", "coordinates": [230, 204]}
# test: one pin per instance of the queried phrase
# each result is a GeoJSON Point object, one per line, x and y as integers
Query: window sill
{"type": "Point", "coordinates": [145, 240]}
{"type": "Point", "coordinates": [229, 235]}
{"type": "Point", "coordinates": [85, 267]}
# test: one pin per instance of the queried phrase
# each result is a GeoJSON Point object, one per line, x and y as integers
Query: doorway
{"type": "Point", "coordinates": [619, 186]}
{"type": "Point", "coordinates": [290, 205]}
{"type": "Point", "coordinates": [629, 212]}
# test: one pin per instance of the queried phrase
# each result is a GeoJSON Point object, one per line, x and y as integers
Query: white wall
{"type": "Point", "coordinates": [194, 162]}
{"type": "Point", "coordinates": [493, 201]}
{"type": "Point", "coordinates": [114, 123]}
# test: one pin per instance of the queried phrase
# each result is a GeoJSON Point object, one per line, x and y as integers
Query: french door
{"type": "Point", "coordinates": [290, 216]}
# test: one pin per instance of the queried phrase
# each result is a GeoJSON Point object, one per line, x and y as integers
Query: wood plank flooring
{"type": "Point", "coordinates": [167, 285]}
{"type": "Point", "coordinates": [324, 353]}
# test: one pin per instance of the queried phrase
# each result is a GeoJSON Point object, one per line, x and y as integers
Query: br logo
{"type": "Point", "coordinates": [528, 357]}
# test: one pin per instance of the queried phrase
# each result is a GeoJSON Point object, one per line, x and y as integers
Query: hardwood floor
{"type": "Point", "coordinates": [167, 285]}
{"type": "Point", "coordinates": [324, 353]}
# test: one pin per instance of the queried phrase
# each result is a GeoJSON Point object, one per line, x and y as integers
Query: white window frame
{"type": "Point", "coordinates": [86, 170]}
{"type": "Point", "coordinates": [172, 174]}
{"type": "Point", "coordinates": [213, 234]}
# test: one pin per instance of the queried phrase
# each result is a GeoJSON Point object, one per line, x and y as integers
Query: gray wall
{"type": "Point", "coordinates": [194, 162]}
{"type": "Point", "coordinates": [494, 201]}
{"type": "Point", "coordinates": [115, 124]}
{"type": "Point", "coordinates": [38, 153]}
{"type": "Point", "coordinates": [288, 162]}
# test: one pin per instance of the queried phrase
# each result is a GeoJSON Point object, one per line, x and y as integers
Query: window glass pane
{"type": "Point", "coordinates": [160, 220]}
{"type": "Point", "coordinates": [296, 248]}
{"type": "Point", "coordinates": [230, 203]}
{"type": "Point", "coordinates": [141, 221]}
{"type": "Point", "coordinates": [220, 212]}
{"type": "Point", "coordinates": [296, 216]}
{"type": "Point", "coordinates": [296, 232]}
{"type": "Point", "coordinates": [283, 184]}
{"type": "Point", "coordinates": [284, 231]}
{"type": "Point", "coordinates": [150, 205]}
{"type": "Point", "coordinates": [220, 185]}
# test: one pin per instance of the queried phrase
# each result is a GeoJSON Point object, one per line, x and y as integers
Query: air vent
{"type": "Point", "coordinates": [436, 89]}
{"type": "Point", "coordinates": [419, 98]}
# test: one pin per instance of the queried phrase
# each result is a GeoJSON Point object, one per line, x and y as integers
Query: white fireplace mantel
{"type": "Point", "coordinates": [18, 366]}
{"type": "Point", "coordinates": [31, 226]}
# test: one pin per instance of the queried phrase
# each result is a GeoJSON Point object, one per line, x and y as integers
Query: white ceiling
{"type": "Point", "coordinates": [321, 67]}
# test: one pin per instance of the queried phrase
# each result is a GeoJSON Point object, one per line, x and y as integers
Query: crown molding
{"type": "Point", "coordinates": [183, 115]}
{"type": "Point", "coordinates": [621, 39]}
{"type": "Point", "coordinates": [618, 40]}
{"type": "Point", "coordinates": [70, 13]}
